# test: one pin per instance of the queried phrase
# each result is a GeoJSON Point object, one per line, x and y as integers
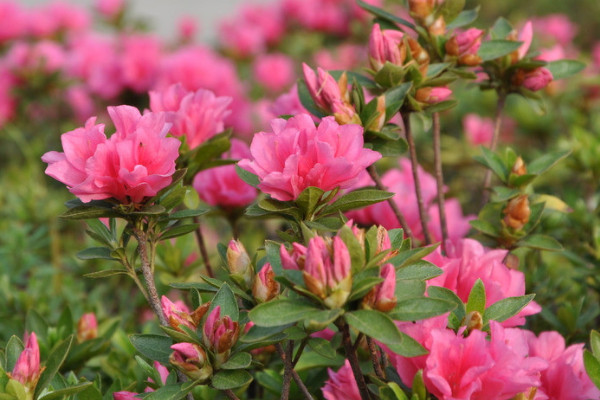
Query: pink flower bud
{"type": "Point", "coordinates": [537, 79]}
{"type": "Point", "coordinates": [237, 258]}
{"type": "Point", "coordinates": [465, 46]}
{"type": "Point", "coordinates": [87, 327]}
{"type": "Point", "coordinates": [110, 8]}
{"type": "Point", "coordinates": [433, 95]}
{"type": "Point", "coordinates": [382, 297]}
{"type": "Point", "coordinates": [27, 368]}
{"type": "Point", "coordinates": [124, 395]}
{"type": "Point", "coordinates": [191, 359]}
{"type": "Point", "coordinates": [265, 287]}
{"type": "Point", "coordinates": [220, 334]}
{"type": "Point", "coordinates": [295, 259]}
{"type": "Point", "coordinates": [187, 28]}
{"type": "Point", "coordinates": [386, 46]}
{"type": "Point", "coordinates": [329, 95]}
{"type": "Point", "coordinates": [179, 314]}
{"type": "Point", "coordinates": [327, 273]}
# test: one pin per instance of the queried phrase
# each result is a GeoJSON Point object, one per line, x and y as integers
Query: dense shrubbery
{"type": "Point", "coordinates": [348, 200]}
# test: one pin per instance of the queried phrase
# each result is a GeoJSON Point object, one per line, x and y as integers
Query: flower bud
{"type": "Point", "coordinates": [295, 259]}
{"type": "Point", "coordinates": [382, 297]}
{"type": "Point", "coordinates": [534, 80]}
{"type": "Point", "coordinates": [419, 54]}
{"type": "Point", "coordinates": [465, 46]}
{"type": "Point", "coordinates": [178, 314]}
{"type": "Point", "coordinates": [220, 334]}
{"type": "Point", "coordinates": [265, 287]}
{"type": "Point", "coordinates": [344, 113]}
{"type": "Point", "coordinates": [438, 28]}
{"type": "Point", "coordinates": [386, 46]}
{"type": "Point", "coordinates": [519, 168]}
{"type": "Point", "coordinates": [377, 123]}
{"type": "Point", "coordinates": [517, 212]}
{"type": "Point", "coordinates": [27, 369]}
{"type": "Point", "coordinates": [433, 95]}
{"type": "Point", "coordinates": [421, 8]}
{"type": "Point", "coordinates": [124, 395]}
{"type": "Point", "coordinates": [473, 320]}
{"type": "Point", "coordinates": [87, 327]}
{"type": "Point", "coordinates": [191, 359]}
{"type": "Point", "coordinates": [238, 261]}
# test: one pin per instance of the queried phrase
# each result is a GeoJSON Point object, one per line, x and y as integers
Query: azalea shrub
{"type": "Point", "coordinates": [340, 199]}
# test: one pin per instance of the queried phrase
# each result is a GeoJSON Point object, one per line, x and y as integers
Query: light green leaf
{"type": "Point", "coordinates": [420, 308]}
{"type": "Point", "coordinates": [504, 309]}
{"type": "Point", "coordinates": [477, 298]}
{"type": "Point", "coordinates": [238, 361]}
{"type": "Point", "coordinates": [562, 69]}
{"type": "Point", "coordinates": [224, 379]}
{"type": "Point", "coordinates": [540, 242]}
{"type": "Point", "coordinates": [280, 312]}
{"type": "Point", "coordinates": [56, 358]}
{"type": "Point", "coordinates": [154, 347]}
{"type": "Point", "coordinates": [497, 48]}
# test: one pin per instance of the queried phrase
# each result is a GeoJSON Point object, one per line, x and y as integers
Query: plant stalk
{"type": "Point", "coordinates": [415, 165]}
{"type": "Point", "coordinates": [495, 136]}
{"type": "Point", "coordinates": [439, 178]}
{"type": "Point", "coordinates": [202, 247]}
{"type": "Point", "coordinates": [375, 359]}
{"type": "Point", "coordinates": [230, 395]}
{"type": "Point", "coordinates": [353, 359]}
{"type": "Point", "coordinates": [287, 359]}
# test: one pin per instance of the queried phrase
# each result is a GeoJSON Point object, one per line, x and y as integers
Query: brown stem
{"type": "Point", "coordinates": [148, 273]}
{"type": "Point", "coordinates": [299, 352]}
{"type": "Point", "coordinates": [230, 395]}
{"type": "Point", "coordinates": [287, 371]}
{"type": "Point", "coordinates": [496, 135]}
{"type": "Point", "coordinates": [375, 176]}
{"type": "Point", "coordinates": [439, 177]}
{"type": "Point", "coordinates": [353, 359]}
{"type": "Point", "coordinates": [202, 246]}
{"type": "Point", "coordinates": [415, 165]}
{"type": "Point", "coordinates": [297, 379]}
{"type": "Point", "coordinates": [375, 359]}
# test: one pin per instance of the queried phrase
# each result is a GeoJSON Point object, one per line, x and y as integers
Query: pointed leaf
{"type": "Point", "coordinates": [224, 379]}
{"type": "Point", "coordinates": [540, 242]}
{"type": "Point", "coordinates": [238, 361]}
{"type": "Point", "coordinates": [477, 298]}
{"type": "Point", "coordinates": [280, 312]}
{"type": "Point", "coordinates": [56, 358]}
{"type": "Point", "coordinates": [154, 347]}
{"type": "Point", "coordinates": [420, 308]}
{"type": "Point", "coordinates": [227, 301]}
{"type": "Point", "coordinates": [504, 309]}
{"type": "Point", "coordinates": [497, 48]}
{"type": "Point", "coordinates": [562, 69]}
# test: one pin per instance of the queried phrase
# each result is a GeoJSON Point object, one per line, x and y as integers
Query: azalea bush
{"type": "Point", "coordinates": [339, 199]}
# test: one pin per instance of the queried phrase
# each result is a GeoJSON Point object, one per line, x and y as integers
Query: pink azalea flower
{"type": "Point", "coordinates": [294, 259]}
{"type": "Point", "coordinates": [135, 163]}
{"type": "Point", "coordinates": [329, 16]}
{"type": "Point", "coordinates": [87, 327]}
{"type": "Point", "coordinates": [297, 155]}
{"type": "Point", "coordinates": [196, 115]}
{"type": "Point", "coordinates": [341, 385]}
{"type": "Point", "coordinates": [265, 286]}
{"type": "Point", "coordinates": [176, 313]}
{"type": "Point", "coordinates": [81, 102]}
{"type": "Point", "coordinates": [220, 333]}
{"type": "Point", "coordinates": [556, 27]}
{"type": "Point", "coordinates": [288, 104]}
{"type": "Point", "coordinates": [27, 368]}
{"type": "Point", "coordinates": [243, 39]}
{"type": "Point", "coordinates": [221, 186]}
{"type": "Point", "coordinates": [386, 46]}
{"type": "Point", "coordinates": [345, 57]}
{"type": "Point", "coordinates": [140, 60]}
{"type": "Point", "coordinates": [274, 71]}
{"type": "Point", "coordinates": [458, 224]}
{"type": "Point", "coordinates": [8, 103]}
{"type": "Point", "coordinates": [187, 28]}
{"type": "Point", "coordinates": [109, 8]}
{"type": "Point", "coordinates": [382, 297]}
{"type": "Point", "coordinates": [525, 36]}
{"type": "Point", "coordinates": [478, 130]}
{"type": "Point", "coordinates": [466, 261]}
{"type": "Point", "coordinates": [13, 12]}
{"type": "Point", "coordinates": [537, 79]}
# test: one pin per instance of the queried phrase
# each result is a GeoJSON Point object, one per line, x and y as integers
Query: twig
{"type": "Point", "coordinates": [496, 135]}
{"type": "Point", "coordinates": [439, 178]}
{"type": "Point", "coordinates": [287, 371]}
{"type": "Point", "coordinates": [299, 352]}
{"type": "Point", "coordinates": [351, 355]}
{"type": "Point", "coordinates": [295, 375]}
{"type": "Point", "coordinates": [375, 176]}
{"type": "Point", "coordinates": [202, 246]}
{"type": "Point", "coordinates": [415, 165]}
{"type": "Point", "coordinates": [375, 359]}
{"type": "Point", "coordinates": [229, 393]}
{"type": "Point", "coordinates": [149, 276]}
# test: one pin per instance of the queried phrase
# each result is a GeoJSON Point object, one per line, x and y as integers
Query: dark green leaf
{"type": "Point", "coordinates": [227, 301]}
{"type": "Point", "coordinates": [319, 320]}
{"type": "Point", "coordinates": [464, 18]}
{"type": "Point", "coordinates": [87, 211]}
{"type": "Point", "coordinates": [385, 15]}
{"type": "Point", "coordinates": [501, 29]}
{"type": "Point", "coordinates": [504, 309]}
{"type": "Point", "coordinates": [497, 48]}
{"type": "Point", "coordinates": [485, 227]}
{"type": "Point", "coordinates": [93, 253]}
{"type": "Point", "coordinates": [238, 361]}
{"type": "Point", "coordinates": [562, 69]}
{"type": "Point", "coordinates": [540, 242]}
{"type": "Point", "coordinates": [595, 342]}
{"type": "Point", "coordinates": [437, 68]}
{"type": "Point", "coordinates": [190, 213]}
{"type": "Point", "coordinates": [592, 367]}
{"type": "Point", "coordinates": [450, 9]}
{"type": "Point", "coordinates": [154, 347]}
{"type": "Point", "coordinates": [280, 312]}
{"type": "Point", "coordinates": [53, 363]}
{"type": "Point", "coordinates": [306, 99]}
{"type": "Point", "coordinates": [13, 350]}
{"type": "Point", "coordinates": [442, 106]}
{"type": "Point", "coordinates": [502, 193]}
{"type": "Point", "coordinates": [443, 293]}
{"type": "Point", "coordinates": [59, 394]}
{"type": "Point", "coordinates": [322, 346]}
{"type": "Point", "coordinates": [357, 199]}
{"type": "Point", "coordinates": [547, 161]}
{"type": "Point", "coordinates": [420, 308]}
{"type": "Point", "coordinates": [171, 392]}
{"type": "Point", "coordinates": [309, 198]}
{"type": "Point", "coordinates": [394, 99]}
{"type": "Point", "coordinates": [422, 270]}
{"type": "Point", "coordinates": [247, 176]}
{"type": "Point", "coordinates": [179, 230]}
{"type": "Point", "coordinates": [381, 328]}
{"type": "Point", "coordinates": [410, 256]}
{"type": "Point", "coordinates": [224, 379]}
{"type": "Point", "coordinates": [493, 162]}
{"type": "Point", "coordinates": [389, 148]}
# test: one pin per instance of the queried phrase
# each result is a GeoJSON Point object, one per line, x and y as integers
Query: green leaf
{"type": "Point", "coordinates": [595, 342]}
{"type": "Point", "coordinates": [178, 230]}
{"type": "Point", "coordinates": [477, 298]}
{"type": "Point", "coordinates": [385, 15]}
{"type": "Point", "coordinates": [410, 256]}
{"type": "Point", "coordinates": [388, 148]}
{"type": "Point", "coordinates": [437, 68]}
{"type": "Point", "coordinates": [154, 347]}
{"type": "Point", "coordinates": [450, 9]}
{"type": "Point", "coordinates": [422, 270]}
{"type": "Point", "coordinates": [13, 350]}
{"type": "Point", "coordinates": [501, 29]}
{"type": "Point", "coordinates": [238, 361]}
{"type": "Point", "coordinates": [34, 322]}
{"type": "Point", "coordinates": [102, 233]}
{"type": "Point", "coordinates": [319, 320]}
{"type": "Point", "coordinates": [357, 199]}
{"type": "Point", "coordinates": [171, 392]}
{"type": "Point", "coordinates": [322, 347]}
{"type": "Point", "coordinates": [485, 227]}
{"type": "Point", "coordinates": [504, 309]}
{"type": "Point", "coordinates": [309, 198]}
{"type": "Point", "coordinates": [224, 379]}
{"type": "Point", "coordinates": [381, 327]}
{"type": "Point", "coordinates": [502, 193]}
{"type": "Point", "coordinates": [280, 312]}
{"type": "Point", "coordinates": [190, 213]}
{"type": "Point", "coordinates": [420, 308]}
{"type": "Point", "coordinates": [562, 69]}
{"type": "Point", "coordinates": [106, 273]}
{"type": "Point", "coordinates": [592, 367]}
{"type": "Point", "coordinates": [497, 48]}
{"type": "Point", "coordinates": [306, 99]}
{"type": "Point", "coordinates": [493, 162]}
{"type": "Point", "coordinates": [443, 293]}
{"type": "Point", "coordinates": [95, 253]}
{"type": "Point", "coordinates": [58, 394]}
{"type": "Point", "coordinates": [540, 242]}
{"type": "Point", "coordinates": [547, 161]}
{"type": "Point", "coordinates": [89, 210]}
{"type": "Point", "coordinates": [56, 358]}
{"type": "Point", "coordinates": [247, 176]}
{"type": "Point", "coordinates": [394, 98]}
{"type": "Point", "coordinates": [390, 75]}
{"type": "Point", "coordinates": [206, 152]}
{"type": "Point", "coordinates": [442, 106]}
{"type": "Point", "coordinates": [311, 360]}
{"type": "Point", "coordinates": [464, 18]}
{"type": "Point", "coordinates": [227, 301]}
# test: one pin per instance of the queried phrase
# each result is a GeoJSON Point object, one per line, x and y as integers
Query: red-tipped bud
{"type": "Point", "coordinates": [265, 287]}
{"type": "Point", "coordinates": [179, 314]}
{"type": "Point", "coordinates": [220, 334]}
{"type": "Point", "coordinates": [386, 46]}
{"type": "Point", "coordinates": [294, 259]}
{"type": "Point", "coordinates": [433, 95]}
{"type": "Point", "coordinates": [534, 80]}
{"type": "Point", "coordinates": [87, 327]}
{"type": "Point", "coordinates": [27, 368]}
{"type": "Point", "coordinates": [465, 46]}
{"type": "Point", "coordinates": [383, 296]}
{"type": "Point", "coordinates": [191, 359]}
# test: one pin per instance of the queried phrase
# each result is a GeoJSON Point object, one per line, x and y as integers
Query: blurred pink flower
{"type": "Point", "coordinates": [288, 104]}
{"type": "Point", "coordinates": [478, 130]}
{"type": "Point", "coordinates": [140, 60]}
{"type": "Point", "coordinates": [8, 102]}
{"type": "Point", "coordinates": [555, 27]}
{"type": "Point", "coordinates": [13, 12]}
{"type": "Point", "coordinates": [553, 54]}
{"type": "Point", "coordinates": [187, 28]}
{"type": "Point", "coordinates": [382, 297]}
{"type": "Point", "coordinates": [124, 395]}
{"type": "Point", "coordinates": [196, 115]}
{"type": "Point", "coordinates": [274, 71]}
{"type": "Point", "coordinates": [243, 39]}
{"type": "Point", "coordinates": [341, 384]}
{"type": "Point", "coordinates": [330, 16]}
{"type": "Point", "coordinates": [297, 155]}
{"type": "Point", "coordinates": [81, 102]}
{"type": "Point", "coordinates": [466, 261]}
{"type": "Point", "coordinates": [221, 186]}
{"type": "Point", "coordinates": [457, 223]}
{"type": "Point", "coordinates": [347, 56]}
{"type": "Point", "coordinates": [45, 55]}
{"type": "Point", "coordinates": [68, 16]}
{"type": "Point", "coordinates": [109, 8]}
{"type": "Point", "coordinates": [136, 162]}
{"type": "Point", "coordinates": [87, 327]}
{"type": "Point", "coordinates": [525, 36]}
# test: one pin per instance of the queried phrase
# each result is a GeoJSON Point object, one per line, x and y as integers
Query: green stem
{"type": "Point", "coordinates": [439, 178]}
